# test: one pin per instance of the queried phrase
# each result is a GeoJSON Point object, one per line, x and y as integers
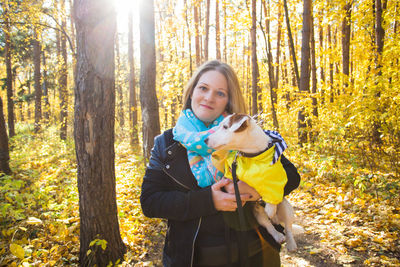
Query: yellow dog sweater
{"type": "Point", "coordinates": [267, 179]}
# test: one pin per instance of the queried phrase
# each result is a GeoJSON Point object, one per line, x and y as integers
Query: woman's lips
{"type": "Point", "coordinates": [205, 106]}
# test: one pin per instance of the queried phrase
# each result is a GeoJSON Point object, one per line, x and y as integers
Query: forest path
{"type": "Point", "coordinates": [342, 228]}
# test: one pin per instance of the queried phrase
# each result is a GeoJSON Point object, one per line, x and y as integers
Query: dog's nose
{"type": "Point", "coordinates": [206, 141]}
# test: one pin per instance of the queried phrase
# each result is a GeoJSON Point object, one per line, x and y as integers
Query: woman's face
{"type": "Point", "coordinates": [210, 96]}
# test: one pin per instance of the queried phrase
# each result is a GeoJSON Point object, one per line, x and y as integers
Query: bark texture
{"type": "Point", "coordinates": [132, 84]}
{"type": "Point", "coordinates": [9, 82]}
{"type": "Point", "coordinates": [254, 64]}
{"type": "Point", "coordinates": [4, 150]}
{"type": "Point", "coordinates": [304, 85]}
{"type": "Point", "coordinates": [148, 96]}
{"type": "Point", "coordinates": [37, 77]}
{"type": "Point", "coordinates": [94, 131]}
{"type": "Point", "coordinates": [63, 81]}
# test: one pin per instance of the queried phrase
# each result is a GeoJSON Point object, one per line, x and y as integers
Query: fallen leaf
{"type": "Point", "coordinates": [34, 221]}
{"type": "Point", "coordinates": [343, 259]}
{"type": "Point", "coordinates": [17, 251]}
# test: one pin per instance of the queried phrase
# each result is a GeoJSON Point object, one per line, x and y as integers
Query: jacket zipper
{"type": "Point", "coordinates": [176, 180]}
{"type": "Point", "coordinates": [198, 226]}
{"type": "Point", "coordinates": [194, 240]}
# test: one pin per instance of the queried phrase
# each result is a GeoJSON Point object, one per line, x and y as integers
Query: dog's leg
{"type": "Point", "coordinates": [285, 214]}
{"type": "Point", "coordinates": [270, 209]}
{"type": "Point", "coordinates": [263, 220]}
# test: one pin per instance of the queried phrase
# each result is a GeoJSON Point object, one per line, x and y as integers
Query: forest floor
{"type": "Point", "coordinates": [39, 219]}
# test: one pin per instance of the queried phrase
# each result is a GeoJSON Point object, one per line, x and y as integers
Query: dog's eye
{"type": "Point", "coordinates": [225, 127]}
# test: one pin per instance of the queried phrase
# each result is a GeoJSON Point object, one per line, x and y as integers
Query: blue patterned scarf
{"type": "Point", "coordinates": [191, 133]}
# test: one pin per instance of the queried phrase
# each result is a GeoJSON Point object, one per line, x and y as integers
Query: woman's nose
{"type": "Point", "coordinates": [209, 95]}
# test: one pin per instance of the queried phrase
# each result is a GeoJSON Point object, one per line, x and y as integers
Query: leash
{"type": "Point", "coordinates": [242, 244]}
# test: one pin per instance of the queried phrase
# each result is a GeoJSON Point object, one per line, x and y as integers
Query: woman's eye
{"type": "Point", "coordinates": [222, 94]}
{"type": "Point", "coordinates": [203, 88]}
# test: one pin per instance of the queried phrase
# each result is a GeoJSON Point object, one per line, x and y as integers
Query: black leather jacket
{"type": "Point", "coordinates": [170, 191]}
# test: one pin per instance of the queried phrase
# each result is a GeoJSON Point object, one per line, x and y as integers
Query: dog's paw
{"type": "Point", "coordinates": [279, 237]}
{"type": "Point", "coordinates": [291, 246]}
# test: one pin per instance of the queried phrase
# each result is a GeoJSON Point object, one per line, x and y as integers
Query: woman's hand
{"type": "Point", "coordinates": [243, 189]}
{"type": "Point", "coordinates": [225, 201]}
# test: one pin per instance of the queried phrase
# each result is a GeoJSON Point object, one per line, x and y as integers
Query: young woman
{"type": "Point", "coordinates": [181, 185]}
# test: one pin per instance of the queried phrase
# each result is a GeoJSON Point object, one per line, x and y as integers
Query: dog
{"type": "Point", "coordinates": [240, 132]}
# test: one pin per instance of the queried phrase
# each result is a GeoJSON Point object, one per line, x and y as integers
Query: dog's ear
{"type": "Point", "coordinates": [239, 124]}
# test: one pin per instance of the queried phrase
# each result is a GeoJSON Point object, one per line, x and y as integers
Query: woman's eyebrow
{"type": "Point", "coordinates": [221, 88]}
{"type": "Point", "coordinates": [203, 83]}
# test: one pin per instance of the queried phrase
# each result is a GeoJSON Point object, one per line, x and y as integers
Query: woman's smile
{"type": "Point", "coordinates": [206, 106]}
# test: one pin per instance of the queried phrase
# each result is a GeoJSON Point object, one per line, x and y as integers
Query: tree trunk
{"type": "Point", "coordinates": [291, 43]}
{"type": "Point", "coordinates": [20, 93]}
{"type": "Point", "coordinates": [314, 131]}
{"type": "Point", "coordinates": [94, 132]}
{"type": "Point", "coordinates": [217, 31]}
{"type": "Point", "coordinates": [4, 151]}
{"type": "Point", "coordinates": [379, 42]}
{"type": "Point", "coordinates": [133, 116]}
{"type": "Point", "coordinates": [148, 96]}
{"type": "Point", "coordinates": [330, 59]}
{"type": "Point", "coordinates": [225, 54]}
{"type": "Point", "coordinates": [271, 73]}
{"type": "Point", "coordinates": [207, 26]}
{"type": "Point", "coordinates": [248, 81]}
{"type": "Point", "coordinates": [346, 30]}
{"type": "Point", "coordinates": [10, 100]}
{"type": "Point", "coordinates": [189, 37]}
{"type": "Point", "coordinates": [120, 103]}
{"type": "Point", "coordinates": [379, 33]}
{"type": "Point", "coordinates": [45, 90]}
{"type": "Point", "coordinates": [38, 89]}
{"type": "Point", "coordinates": [304, 85]}
{"type": "Point", "coordinates": [196, 33]}
{"type": "Point", "coordinates": [254, 64]}
{"type": "Point", "coordinates": [63, 81]}
{"type": "Point", "coordinates": [322, 59]}
{"type": "Point", "coordinates": [73, 41]}
{"type": "Point", "coordinates": [28, 104]}
{"type": "Point", "coordinates": [278, 45]}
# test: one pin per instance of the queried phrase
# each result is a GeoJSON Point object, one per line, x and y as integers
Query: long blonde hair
{"type": "Point", "coordinates": [236, 103]}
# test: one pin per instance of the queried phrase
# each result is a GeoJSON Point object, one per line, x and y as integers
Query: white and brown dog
{"type": "Point", "coordinates": [240, 132]}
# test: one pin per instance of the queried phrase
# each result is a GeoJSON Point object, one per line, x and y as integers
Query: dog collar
{"type": "Point", "coordinates": [252, 155]}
